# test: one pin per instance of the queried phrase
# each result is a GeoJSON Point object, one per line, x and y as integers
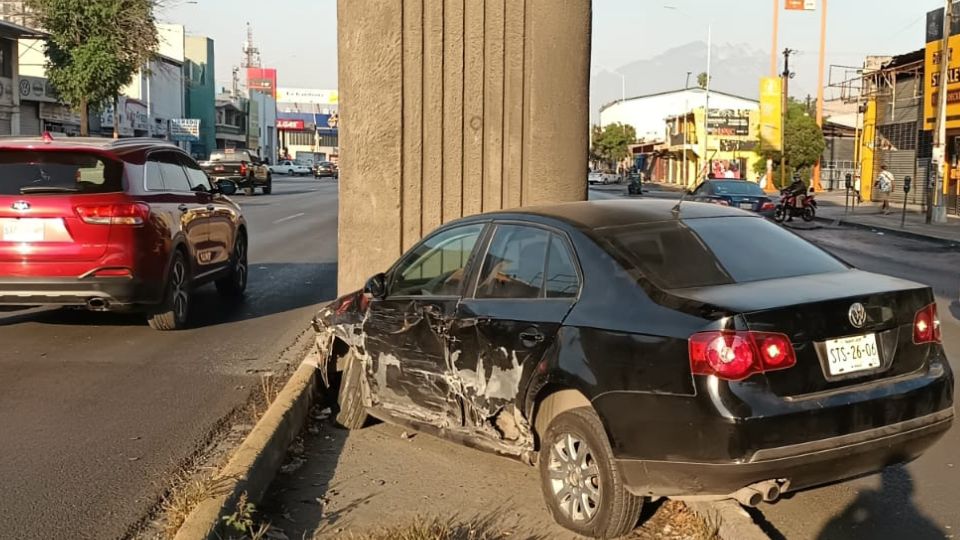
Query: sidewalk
{"type": "Point", "coordinates": [868, 216]}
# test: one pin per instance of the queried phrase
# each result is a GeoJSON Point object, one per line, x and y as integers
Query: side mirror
{"type": "Point", "coordinates": [226, 187]}
{"type": "Point", "coordinates": [376, 287]}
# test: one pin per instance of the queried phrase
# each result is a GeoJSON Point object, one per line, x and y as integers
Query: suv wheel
{"type": "Point", "coordinates": [268, 187]}
{"type": "Point", "coordinates": [580, 480]}
{"type": "Point", "coordinates": [235, 284]}
{"type": "Point", "coordinates": [172, 313]}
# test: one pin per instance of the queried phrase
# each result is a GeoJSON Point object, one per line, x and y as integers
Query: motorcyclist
{"type": "Point", "coordinates": [796, 192]}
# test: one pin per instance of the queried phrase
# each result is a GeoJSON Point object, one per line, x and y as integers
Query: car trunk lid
{"type": "Point", "coordinates": [818, 313]}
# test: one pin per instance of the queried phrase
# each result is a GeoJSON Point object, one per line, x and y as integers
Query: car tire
{"type": "Point", "coordinates": [268, 187]}
{"type": "Point", "coordinates": [175, 308]}
{"type": "Point", "coordinates": [352, 414]}
{"type": "Point", "coordinates": [234, 285]}
{"type": "Point", "coordinates": [589, 475]}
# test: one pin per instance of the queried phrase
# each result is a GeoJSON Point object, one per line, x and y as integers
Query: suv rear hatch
{"type": "Point", "coordinates": [49, 201]}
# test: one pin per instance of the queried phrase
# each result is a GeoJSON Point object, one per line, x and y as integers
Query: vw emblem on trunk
{"type": "Point", "coordinates": [20, 206]}
{"type": "Point", "coordinates": [858, 315]}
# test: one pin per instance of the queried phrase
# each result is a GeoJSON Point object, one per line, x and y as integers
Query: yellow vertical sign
{"type": "Point", "coordinates": [771, 113]}
{"type": "Point", "coordinates": [932, 86]}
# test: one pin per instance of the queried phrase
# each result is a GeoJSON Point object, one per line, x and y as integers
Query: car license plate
{"type": "Point", "coordinates": [852, 354]}
{"type": "Point", "coordinates": [746, 205]}
{"type": "Point", "coordinates": [23, 230]}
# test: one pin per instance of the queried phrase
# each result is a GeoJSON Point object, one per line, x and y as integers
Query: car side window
{"type": "Point", "coordinates": [562, 279]}
{"type": "Point", "coordinates": [153, 178]}
{"type": "Point", "coordinates": [171, 168]}
{"type": "Point", "coordinates": [437, 267]}
{"type": "Point", "coordinates": [515, 263]}
{"type": "Point", "coordinates": [197, 177]}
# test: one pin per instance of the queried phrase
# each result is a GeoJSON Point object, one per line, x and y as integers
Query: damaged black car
{"type": "Point", "coordinates": [633, 350]}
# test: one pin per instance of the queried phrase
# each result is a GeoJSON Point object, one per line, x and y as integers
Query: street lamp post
{"type": "Point", "coordinates": [706, 100]}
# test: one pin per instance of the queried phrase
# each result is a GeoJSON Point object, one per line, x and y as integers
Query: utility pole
{"type": "Point", "coordinates": [785, 84]}
{"type": "Point", "coordinates": [687, 84]}
{"type": "Point", "coordinates": [706, 104]}
{"type": "Point", "coordinates": [939, 214]}
{"type": "Point", "coordinates": [776, 28]}
{"type": "Point", "coordinates": [823, 47]}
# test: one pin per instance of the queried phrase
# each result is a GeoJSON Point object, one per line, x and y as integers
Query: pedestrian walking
{"type": "Point", "coordinates": [884, 186]}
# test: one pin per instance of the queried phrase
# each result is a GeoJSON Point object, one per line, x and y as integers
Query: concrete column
{"type": "Point", "coordinates": [453, 107]}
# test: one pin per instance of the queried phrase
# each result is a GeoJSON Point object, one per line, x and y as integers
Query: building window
{"type": "Point", "coordinates": [6, 57]}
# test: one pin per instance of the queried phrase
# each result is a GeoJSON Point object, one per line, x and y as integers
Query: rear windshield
{"type": "Point", "coordinates": [736, 188]}
{"type": "Point", "coordinates": [25, 172]}
{"type": "Point", "coordinates": [716, 251]}
{"type": "Point", "coordinates": [237, 155]}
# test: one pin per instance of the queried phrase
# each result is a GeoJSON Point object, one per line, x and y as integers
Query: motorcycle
{"type": "Point", "coordinates": [787, 207]}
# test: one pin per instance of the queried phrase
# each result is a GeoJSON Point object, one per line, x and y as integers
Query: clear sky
{"type": "Point", "coordinates": [298, 37]}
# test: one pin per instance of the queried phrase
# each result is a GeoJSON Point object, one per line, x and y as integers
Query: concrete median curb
{"type": "Point", "coordinates": [730, 519]}
{"type": "Point", "coordinates": [893, 231]}
{"type": "Point", "coordinates": [254, 464]}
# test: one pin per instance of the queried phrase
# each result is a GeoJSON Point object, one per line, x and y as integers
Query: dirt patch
{"type": "Point", "coordinates": [386, 482]}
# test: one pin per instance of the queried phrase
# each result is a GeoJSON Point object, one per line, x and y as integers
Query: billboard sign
{"type": "Point", "coordinates": [729, 122]}
{"type": "Point", "coordinates": [771, 113]}
{"type": "Point", "coordinates": [308, 96]}
{"type": "Point", "coordinates": [262, 80]}
{"type": "Point", "coordinates": [292, 125]}
{"type": "Point", "coordinates": [185, 129]}
{"type": "Point", "coordinates": [931, 68]}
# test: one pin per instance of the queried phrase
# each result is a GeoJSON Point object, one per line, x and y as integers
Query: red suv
{"type": "Point", "coordinates": [115, 225]}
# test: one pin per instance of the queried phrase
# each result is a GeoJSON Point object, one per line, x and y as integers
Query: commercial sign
{"type": "Point", "coordinates": [931, 70]}
{"type": "Point", "coordinates": [308, 96]}
{"type": "Point", "coordinates": [61, 114]}
{"type": "Point", "coordinates": [262, 80]}
{"type": "Point", "coordinates": [37, 89]}
{"type": "Point", "coordinates": [802, 5]}
{"type": "Point", "coordinates": [185, 129]}
{"type": "Point", "coordinates": [133, 117]}
{"type": "Point", "coordinates": [771, 113]}
{"type": "Point", "coordinates": [729, 122]}
{"type": "Point", "coordinates": [293, 125]}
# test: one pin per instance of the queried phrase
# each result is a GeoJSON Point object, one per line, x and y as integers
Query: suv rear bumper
{"type": "Point", "coordinates": [803, 465]}
{"type": "Point", "coordinates": [106, 292]}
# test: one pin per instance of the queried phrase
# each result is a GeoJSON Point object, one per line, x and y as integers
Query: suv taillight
{"type": "Point", "coordinates": [737, 355]}
{"type": "Point", "coordinates": [926, 325]}
{"type": "Point", "coordinates": [243, 168]}
{"type": "Point", "coordinates": [134, 214]}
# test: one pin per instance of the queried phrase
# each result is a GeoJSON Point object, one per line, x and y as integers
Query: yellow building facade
{"type": "Point", "coordinates": [732, 146]}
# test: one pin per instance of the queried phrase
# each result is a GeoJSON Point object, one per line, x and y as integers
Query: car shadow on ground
{"type": "Point", "coordinates": [274, 288]}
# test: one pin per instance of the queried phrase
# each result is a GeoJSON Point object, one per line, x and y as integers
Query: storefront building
{"type": "Point", "coordinates": [732, 137]}
{"type": "Point", "coordinates": [931, 89]}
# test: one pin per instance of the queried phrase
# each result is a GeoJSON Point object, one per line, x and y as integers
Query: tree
{"type": "Point", "coordinates": [804, 144]}
{"type": "Point", "coordinates": [95, 47]}
{"type": "Point", "coordinates": [611, 144]}
{"type": "Point", "coordinates": [702, 80]}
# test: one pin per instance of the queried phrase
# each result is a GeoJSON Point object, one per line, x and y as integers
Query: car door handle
{"type": "Point", "coordinates": [183, 208]}
{"type": "Point", "coordinates": [531, 337]}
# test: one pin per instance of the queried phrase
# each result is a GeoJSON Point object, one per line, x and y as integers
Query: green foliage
{"type": "Point", "coordinates": [702, 79]}
{"type": "Point", "coordinates": [241, 520]}
{"type": "Point", "coordinates": [95, 46]}
{"type": "Point", "coordinates": [611, 144]}
{"type": "Point", "coordinates": [804, 145]}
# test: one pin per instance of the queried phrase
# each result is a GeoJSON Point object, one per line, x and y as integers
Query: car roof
{"type": "Point", "coordinates": [617, 213]}
{"type": "Point", "coordinates": [118, 147]}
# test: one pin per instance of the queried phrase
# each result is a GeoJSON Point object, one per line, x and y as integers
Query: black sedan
{"type": "Point", "coordinates": [636, 349]}
{"type": "Point", "coordinates": [736, 193]}
{"type": "Point", "coordinates": [325, 169]}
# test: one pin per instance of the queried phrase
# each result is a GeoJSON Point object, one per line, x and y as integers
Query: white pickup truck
{"type": "Point", "coordinates": [292, 168]}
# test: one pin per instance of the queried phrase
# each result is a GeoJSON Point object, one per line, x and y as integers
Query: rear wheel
{"type": "Point", "coordinates": [235, 284]}
{"type": "Point", "coordinates": [172, 313]}
{"type": "Point", "coordinates": [809, 213]}
{"type": "Point", "coordinates": [353, 414]}
{"type": "Point", "coordinates": [581, 483]}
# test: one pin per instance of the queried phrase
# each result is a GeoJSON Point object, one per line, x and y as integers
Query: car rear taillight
{"type": "Point", "coordinates": [926, 326]}
{"type": "Point", "coordinates": [243, 168]}
{"type": "Point", "coordinates": [767, 206]}
{"type": "Point", "coordinates": [737, 355]}
{"type": "Point", "coordinates": [134, 214]}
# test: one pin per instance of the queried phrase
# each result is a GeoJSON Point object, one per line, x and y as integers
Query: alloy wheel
{"type": "Point", "coordinates": [575, 478]}
{"type": "Point", "coordinates": [240, 264]}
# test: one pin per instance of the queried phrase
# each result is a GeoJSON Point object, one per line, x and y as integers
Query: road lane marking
{"type": "Point", "coordinates": [288, 218]}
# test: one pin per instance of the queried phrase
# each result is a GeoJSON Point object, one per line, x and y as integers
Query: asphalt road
{"type": "Point", "coordinates": [97, 410]}
{"type": "Point", "coordinates": [919, 501]}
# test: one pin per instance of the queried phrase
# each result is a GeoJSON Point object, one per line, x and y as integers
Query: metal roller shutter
{"type": "Point", "coordinates": [5, 126]}
{"type": "Point", "coordinates": [901, 163]}
{"type": "Point", "coordinates": [29, 119]}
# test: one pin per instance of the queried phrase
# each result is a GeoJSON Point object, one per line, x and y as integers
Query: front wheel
{"type": "Point", "coordinates": [779, 213]}
{"type": "Point", "coordinates": [809, 213]}
{"type": "Point", "coordinates": [580, 480]}
{"type": "Point", "coordinates": [175, 307]}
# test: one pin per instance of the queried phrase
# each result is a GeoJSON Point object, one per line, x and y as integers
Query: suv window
{"type": "Point", "coordinates": [51, 172]}
{"type": "Point", "coordinates": [515, 263]}
{"type": "Point", "coordinates": [171, 168]}
{"type": "Point", "coordinates": [437, 266]}
{"type": "Point", "coordinates": [716, 251]}
{"type": "Point", "coordinates": [196, 176]}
